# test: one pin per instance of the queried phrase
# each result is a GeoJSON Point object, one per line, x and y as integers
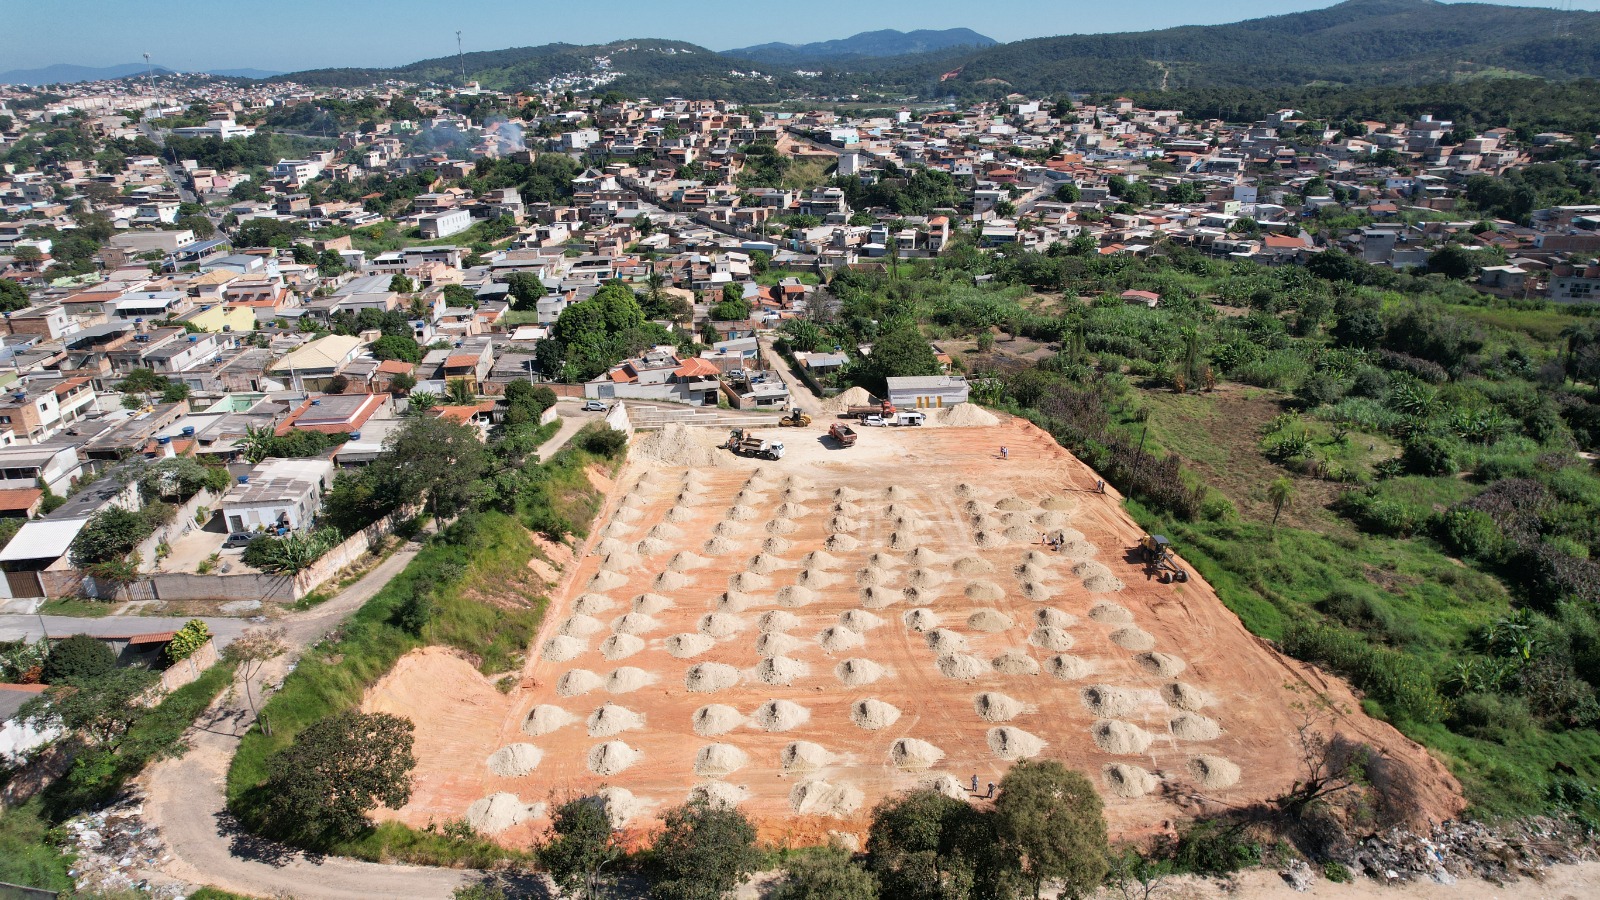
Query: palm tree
{"type": "Point", "coordinates": [460, 392]}
{"type": "Point", "coordinates": [1281, 493]}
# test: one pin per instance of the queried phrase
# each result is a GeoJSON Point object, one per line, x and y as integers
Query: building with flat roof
{"type": "Point", "coordinates": [278, 494]}
{"type": "Point", "coordinates": [924, 391]}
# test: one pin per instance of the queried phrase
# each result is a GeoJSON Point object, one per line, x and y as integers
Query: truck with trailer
{"type": "Point", "coordinates": [744, 442]}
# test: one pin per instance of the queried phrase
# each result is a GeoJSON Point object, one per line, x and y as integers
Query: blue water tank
{"type": "Point", "coordinates": [163, 440]}
{"type": "Point", "coordinates": [244, 479]}
{"type": "Point", "coordinates": [316, 403]}
{"type": "Point", "coordinates": [188, 431]}
{"type": "Point", "coordinates": [355, 435]}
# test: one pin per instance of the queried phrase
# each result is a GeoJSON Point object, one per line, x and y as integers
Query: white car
{"type": "Point", "coordinates": [593, 406]}
{"type": "Point", "coordinates": [874, 420]}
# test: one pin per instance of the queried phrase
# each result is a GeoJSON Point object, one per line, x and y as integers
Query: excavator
{"type": "Point", "coordinates": [795, 418]}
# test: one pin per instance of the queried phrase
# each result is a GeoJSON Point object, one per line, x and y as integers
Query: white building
{"type": "Point", "coordinates": [278, 493]}
{"type": "Point", "coordinates": [443, 224]}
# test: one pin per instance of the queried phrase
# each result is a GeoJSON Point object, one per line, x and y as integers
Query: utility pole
{"type": "Point", "coordinates": [461, 59]}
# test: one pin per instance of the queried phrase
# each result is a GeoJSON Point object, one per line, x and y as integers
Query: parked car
{"type": "Point", "coordinates": [593, 406]}
{"type": "Point", "coordinates": [874, 420]}
{"type": "Point", "coordinates": [238, 539]}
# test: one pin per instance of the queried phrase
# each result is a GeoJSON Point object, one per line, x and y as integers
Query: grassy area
{"type": "Point", "coordinates": [516, 317]}
{"type": "Point", "coordinates": [75, 606]}
{"type": "Point", "coordinates": [773, 276]}
{"type": "Point", "coordinates": [29, 853]}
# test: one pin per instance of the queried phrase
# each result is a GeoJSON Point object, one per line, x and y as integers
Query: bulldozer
{"type": "Point", "coordinates": [796, 418]}
{"type": "Point", "coordinates": [1158, 556]}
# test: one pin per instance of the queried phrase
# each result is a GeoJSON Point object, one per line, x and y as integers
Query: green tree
{"type": "Point", "coordinates": [432, 460]}
{"type": "Point", "coordinates": [400, 284]}
{"type": "Point", "coordinates": [338, 769]}
{"type": "Point", "coordinates": [526, 290]}
{"type": "Point", "coordinates": [397, 346]}
{"type": "Point", "coordinates": [924, 845]}
{"type": "Point", "coordinates": [460, 393]}
{"type": "Point", "coordinates": [13, 296]}
{"type": "Point", "coordinates": [1280, 493]}
{"type": "Point", "coordinates": [78, 656]}
{"type": "Point", "coordinates": [187, 640]}
{"type": "Point", "coordinates": [97, 710]}
{"type": "Point", "coordinates": [1067, 192]}
{"type": "Point", "coordinates": [826, 874]}
{"type": "Point", "coordinates": [109, 536]}
{"type": "Point", "coordinates": [144, 382]}
{"type": "Point", "coordinates": [1053, 819]}
{"type": "Point", "coordinates": [901, 352]}
{"type": "Point", "coordinates": [704, 852]}
{"type": "Point", "coordinates": [735, 310]}
{"type": "Point", "coordinates": [580, 847]}
{"type": "Point", "coordinates": [1455, 261]}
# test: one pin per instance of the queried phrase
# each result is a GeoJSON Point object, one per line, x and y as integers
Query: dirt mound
{"type": "Point", "coordinates": [1059, 504]}
{"type": "Point", "coordinates": [1007, 742]}
{"type": "Point", "coordinates": [841, 524]}
{"type": "Point", "coordinates": [580, 626]}
{"type": "Point", "coordinates": [791, 511]}
{"type": "Point", "coordinates": [777, 620]}
{"type": "Point", "coordinates": [780, 670]}
{"type": "Point", "coordinates": [1120, 738]}
{"type": "Point", "coordinates": [1164, 665]}
{"type": "Point", "coordinates": [1128, 781]}
{"type": "Point", "coordinates": [612, 757]}
{"type": "Point", "coordinates": [612, 719]}
{"type": "Point", "coordinates": [871, 576]}
{"type": "Point", "coordinates": [514, 760]}
{"type": "Point", "coordinates": [1069, 668]}
{"type": "Point", "coordinates": [914, 755]}
{"type": "Point", "coordinates": [943, 640]}
{"type": "Point", "coordinates": [1054, 618]}
{"type": "Point", "coordinates": [1077, 550]}
{"type": "Point", "coordinates": [1031, 571]}
{"type": "Point", "coordinates": [718, 760]}
{"type": "Point", "coordinates": [922, 556]}
{"type": "Point", "coordinates": [578, 681]}
{"type": "Point", "coordinates": [1013, 504]}
{"type": "Point", "coordinates": [1108, 613]}
{"type": "Point", "coordinates": [1037, 592]}
{"type": "Point", "coordinates": [689, 644]}
{"type": "Point", "coordinates": [966, 415]}
{"type": "Point", "coordinates": [665, 532]}
{"type": "Point", "coordinates": [683, 562]}
{"type": "Point", "coordinates": [729, 529]}
{"type": "Point", "coordinates": [802, 757]}
{"type": "Point", "coordinates": [719, 546]}
{"type": "Point", "coordinates": [971, 566]}
{"type": "Point", "coordinates": [779, 715]}
{"type": "Point", "coordinates": [881, 597]}
{"type": "Point", "coordinates": [993, 707]}
{"type": "Point", "coordinates": [718, 793]}
{"type": "Point", "coordinates": [984, 590]}
{"type": "Point", "coordinates": [776, 643]}
{"type": "Point", "coordinates": [740, 513]}
{"type": "Point", "coordinates": [651, 604]}
{"type": "Point", "coordinates": [837, 638]}
{"type": "Point", "coordinates": [820, 559]}
{"type": "Point", "coordinates": [620, 646]}
{"type": "Point", "coordinates": [708, 677]}
{"type": "Point", "coordinates": [619, 562]}
{"type": "Point", "coordinates": [819, 798]}
{"type": "Point", "coordinates": [497, 812]}
{"type": "Point", "coordinates": [1022, 534]}
{"type": "Point", "coordinates": [766, 564]}
{"type": "Point", "coordinates": [845, 508]}
{"type": "Point", "coordinates": [1015, 662]}
{"type": "Point", "coordinates": [923, 620]}
{"type": "Point", "coordinates": [747, 582]}
{"type": "Point", "coordinates": [734, 602]}
{"type": "Point", "coordinates": [670, 581]}
{"type": "Point", "coordinates": [795, 595]}
{"type": "Point", "coordinates": [842, 543]}
{"type": "Point", "coordinates": [883, 561]}
{"type": "Point", "coordinates": [925, 579]}
{"type": "Point", "coordinates": [989, 620]}
{"type": "Point", "coordinates": [946, 785]}
{"type": "Point", "coordinates": [1213, 772]}
{"type": "Point", "coordinates": [1051, 638]}
{"type": "Point", "coordinates": [619, 805]}
{"type": "Point", "coordinates": [856, 396]}
{"type": "Point", "coordinates": [635, 623]}
{"type": "Point", "coordinates": [678, 514]}
{"type": "Point", "coordinates": [1056, 523]}
{"type": "Point", "coordinates": [716, 718]}
{"type": "Point", "coordinates": [562, 648]}
{"type": "Point", "coordinates": [1089, 569]}
{"type": "Point", "coordinates": [680, 445]}
{"type": "Point", "coordinates": [858, 672]}
{"type": "Point", "coordinates": [720, 625]}
{"type": "Point", "coordinates": [628, 679]}
{"type": "Point", "coordinates": [545, 718]}
{"type": "Point", "coordinates": [986, 539]}
{"type": "Point", "coordinates": [873, 714]}
{"type": "Point", "coordinates": [605, 581]}
{"type": "Point", "coordinates": [966, 491]}
{"type": "Point", "coordinates": [777, 544]}
{"type": "Point", "coordinates": [1108, 702]}
{"type": "Point", "coordinates": [782, 526]}
{"type": "Point", "coordinates": [589, 604]}
{"type": "Point", "coordinates": [859, 620]}
{"type": "Point", "coordinates": [1194, 727]}
{"type": "Point", "coordinates": [961, 667]}
{"type": "Point", "coordinates": [1131, 638]}
{"type": "Point", "coordinates": [1103, 584]}
{"type": "Point", "coordinates": [1183, 696]}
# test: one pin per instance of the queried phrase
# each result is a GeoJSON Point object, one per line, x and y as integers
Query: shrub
{"type": "Point", "coordinates": [606, 442]}
{"type": "Point", "coordinates": [1491, 717]}
{"type": "Point", "coordinates": [188, 639]}
{"type": "Point", "coordinates": [79, 656]}
{"type": "Point", "coordinates": [1428, 454]}
{"type": "Point", "coordinates": [1400, 683]}
{"type": "Point", "coordinates": [1214, 848]}
{"type": "Point", "coordinates": [1470, 532]}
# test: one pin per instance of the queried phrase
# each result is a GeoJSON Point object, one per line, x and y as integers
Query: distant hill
{"type": "Point", "coordinates": [867, 44]}
{"type": "Point", "coordinates": [244, 73]}
{"type": "Point", "coordinates": [65, 73]}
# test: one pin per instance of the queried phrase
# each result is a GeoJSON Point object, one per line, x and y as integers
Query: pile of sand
{"type": "Point", "coordinates": [965, 490]}
{"type": "Point", "coordinates": [578, 681]}
{"type": "Point", "coordinates": [1089, 569]}
{"type": "Point", "coordinates": [1132, 638]}
{"type": "Point", "coordinates": [1194, 727]}
{"type": "Point", "coordinates": [816, 578]}
{"type": "Point", "coordinates": [1015, 518]}
{"type": "Point", "coordinates": [819, 798]}
{"type": "Point", "coordinates": [589, 604]}
{"type": "Point", "coordinates": [943, 640]}
{"type": "Point", "coordinates": [1015, 662]}
{"type": "Point", "coordinates": [734, 602]}
{"type": "Point", "coordinates": [1054, 618]}
{"type": "Point", "coordinates": [1213, 772]}
{"type": "Point", "coordinates": [1013, 504]}
{"type": "Point", "coordinates": [777, 544]}
{"type": "Point", "coordinates": [620, 646]}
{"type": "Point", "coordinates": [1120, 738]}
{"type": "Point", "coordinates": [845, 507]}
{"type": "Point", "coordinates": [629, 679]}
{"type": "Point", "coordinates": [837, 638]}
{"type": "Point", "coordinates": [1022, 534]}
{"type": "Point", "coordinates": [689, 644]}
{"type": "Point", "coordinates": [743, 514]}
{"type": "Point", "coordinates": [562, 648]}
{"type": "Point", "coordinates": [856, 396]}
{"type": "Point", "coordinates": [779, 715]}
{"type": "Point", "coordinates": [747, 582]}
{"type": "Point", "coordinates": [612, 719]}
{"type": "Point", "coordinates": [925, 579]}
{"type": "Point", "coordinates": [791, 511]}
{"type": "Point", "coordinates": [670, 581]}
{"type": "Point", "coordinates": [873, 714]}
{"type": "Point", "coordinates": [802, 757]}
{"type": "Point", "coordinates": [684, 561]}
{"type": "Point", "coordinates": [1108, 613]}
{"type": "Point", "coordinates": [718, 760]}
{"type": "Point", "coordinates": [1037, 592]}
{"type": "Point", "coordinates": [841, 543]}
{"type": "Point", "coordinates": [619, 562]}
{"type": "Point", "coordinates": [612, 758]}
{"type": "Point", "coordinates": [749, 497]}
{"type": "Point", "coordinates": [914, 755]}
{"type": "Point", "coordinates": [990, 620]}
{"type": "Point", "coordinates": [679, 445]}
{"type": "Point", "coordinates": [946, 785]}
{"type": "Point", "coordinates": [994, 707]}
{"type": "Point", "coordinates": [1077, 550]}
{"type": "Point", "coordinates": [719, 546]}
{"type": "Point", "coordinates": [1069, 668]}
{"type": "Point", "coordinates": [665, 532]}
{"type": "Point", "coordinates": [966, 415]}
{"type": "Point", "coordinates": [634, 501]}
{"type": "Point", "coordinates": [1031, 571]}
{"type": "Point", "coordinates": [678, 514]}
{"type": "Point", "coordinates": [859, 620]}
{"type": "Point", "coordinates": [1050, 638]}
{"type": "Point", "coordinates": [858, 672]}
{"type": "Point", "coordinates": [652, 547]}
{"type": "Point", "coordinates": [871, 576]}
{"type": "Point", "coordinates": [720, 625]}
{"type": "Point", "coordinates": [883, 561]}
{"type": "Point", "coordinates": [1008, 742]}
{"type": "Point", "coordinates": [960, 666]}
{"type": "Point", "coordinates": [1128, 781]}
{"type": "Point", "coordinates": [708, 677]}
{"type": "Point", "coordinates": [841, 524]}
{"type": "Point", "coordinates": [984, 590]}
{"type": "Point", "coordinates": [514, 760]}
{"type": "Point", "coordinates": [896, 492]}
{"type": "Point", "coordinates": [782, 526]}
{"type": "Point", "coordinates": [780, 670]}
{"type": "Point", "coordinates": [730, 529]}
{"type": "Point", "coordinates": [1059, 504]}
{"type": "Point", "coordinates": [1183, 696]}
{"type": "Point", "coordinates": [1057, 522]}
{"type": "Point", "coordinates": [819, 559]}
{"type": "Point", "coordinates": [1164, 665]}
{"type": "Point", "coordinates": [766, 564]}
{"type": "Point", "coordinates": [881, 597]}
{"type": "Point", "coordinates": [605, 581]}
{"type": "Point", "coordinates": [1103, 584]}
{"type": "Point", "coordinates": [716, 719]}
{"type": "Point", "coordinates": [718, 794]}
{"type": "Point", "coordinates": [795, 595]}
{"type": "Point", "coordinates": [777, 620]}
{"type": "Point", "coordinates": [625, 513]}
{"type": "Point", "coordinates": [985, 539]}
{"type": "Point", "coordinates": [1108, 702]}
{"type": "Point", "coordinates": [580, 626]}
{"type": "Point", "coordinates": [776, 643]}
{"type": "Point", "coordinates": [545, 718]}
{"type": "Point", "coordinates": [922, 556]}
{"type": "Point", "coordinates": [635, 623]}
{"type": "Point", "coordinates": [689, 498]}
{"type": "Point", "coordinates": [917, 595]}
{"type": "Point", "coordinates": [971, 566]}
{"type": "Point", "coordinates": [619, 805]}
{"type": "Point", "coordinates": [923, 620]}
{"type": "Point", "coordinates": [497, 812]}
{"type": "Point", "coordinates": [651, 604]}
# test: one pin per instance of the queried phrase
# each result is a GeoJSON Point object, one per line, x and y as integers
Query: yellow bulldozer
{"type": "Point", "coordinates": [794, 419]}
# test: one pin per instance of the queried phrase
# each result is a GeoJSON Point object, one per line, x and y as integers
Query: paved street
{"type": "Point", "coordinates": [33, 627]}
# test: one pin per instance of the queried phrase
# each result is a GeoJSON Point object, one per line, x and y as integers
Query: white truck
{"type": "Point", "coordinates": [905, 418]}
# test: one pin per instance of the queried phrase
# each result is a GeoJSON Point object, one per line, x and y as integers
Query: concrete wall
{"type": "Point", "coordinates": [185, 671]}
{"type": "Point", "coordinates": [181, 524]}
{"type": "Point", "coordinates": [180, 586]}
{"type": "Point", "coordinates": [548, 416]}
{"type": "Point", "coordinates": [618, 419]}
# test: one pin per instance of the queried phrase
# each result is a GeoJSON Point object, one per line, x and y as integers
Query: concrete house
{"type": "Point", "coordinates": [927, 391]}
{"type": "Point", "coordinates": [278, 494]}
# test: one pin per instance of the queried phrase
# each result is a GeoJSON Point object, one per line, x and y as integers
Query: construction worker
{"type": "Point", "coordinates": [974, 782]}
{"type": "Point", "coordinates": [1004, 453]}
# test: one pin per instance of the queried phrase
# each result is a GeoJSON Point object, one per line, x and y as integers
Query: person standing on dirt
{"type": "Point", "coordinates": [1005, 453]}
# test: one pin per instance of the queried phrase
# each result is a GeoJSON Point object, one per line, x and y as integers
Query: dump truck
{"type": "Point", "coordinates": [748, 443]}
{"type": "Point", "coordinates": [844, 434]}
{"type": "Point", "coordinates": [883, 408]}
{"type": "Point", "coordinates": [794, 419]}
{"type": "Point", "coordinates": [1158, 556]}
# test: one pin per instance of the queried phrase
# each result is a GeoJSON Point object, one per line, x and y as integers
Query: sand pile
{"type": "Point", "coordinates": [717, 760]}
{"type": "Point", "coordinates": [720, 625]}
{"type": "Point", "coordinates": [1213, 772]}
{"type": "Point", "coordinates": [1183, 696]}
{"type": "Point", "coordinates": [1164, 665]}
{"type": "Point", "coordinates": [766, 564]}
{"type": "Point", "coordinates": [943, 640]}
{"type": "Point", "coordinates": [651, 604]}
{"type": "Point", "coordinates": [628, 679]}
{"type": "Point", "coordinates": [619, 805]}
{"type": "Point", "coordinates": [1013, 504]}
{"type": "Point", "coordinates": [1054, 618]}
{"type": "Point", "coordinates": [776, 643]}
{"type": "Point", "coordinates": [1194, 727]}
{"type": "Point", "coordinates": [652, 547]}
{"type": "Point", "coordinates": [801, 757]}
{"type": "Point", "coordinates": [1120, 738]}
{"type": "Point", "coordinates": [634, 501]}
{"type": "Point", "coordinates": [578, 681]}
{"type": "Point", "coordinates": [684, 561]}
{"type": "Point", "coordinates": [1077, 550]}
{"type": "Point", "coordinates": [1108, 702]}
{"type": "Point", "coordinates": [1037, 591]}
{"type": "Point", "coordinates": [779, 715]}
{"type": "Point", "coordinates": [858, 672]}
{"type": "Point", "coordinates": [747, 582]}
{"type": "Point", "coordinates": [971, 566]}
{"type": "Point", "coordinates": [562, 648]}
{"type": "Point", "coordinates": [1089, 569]}
{"type": "Point", "coordinates": [1132, 638]}
{"type": "Point", "coordinates": [923, 620]}
{"type": "Point", "coordinates": [1056, 522]}
{"type": "Point", "coordinates": [716, 719]}
{"type": "Point", "coordinates": [605, 581]}
{"type": "Point", "coordinates": [791, 511]}
{"type": "Point", "coordinates": [780, 670]}
{"type": "Point", "coordinates": [620, 646]}
{"type": "Point", "coordinates": [729, 529]}
{"type": "Point", "coordinates": [819, 559]}
{"type": "Point", "coordinates": [1031, 571]}
{"type": "Point", "coordinates": [1059, 504]}
{"type": "Point", "coordinates": [687, 645]}
{"type": "Point", "coordinates": [749, 497]}
{"type": "Point", "coordinates": [707, 677]}
{"type": "Point", "coordinates": [739, 513]}
{"type": "Point", "coordinates": [1103, 584]}
{"type": "Point", "coordinates": [856, 396]}
{"type": "Point", "coordinates": [514, 760]}
{"type": "Point", "coordinates": [635, 623]}
{"type": "Point", "coordinates": [1051, 638]}
{"type": "Point", "coordinates": [841, 524]}
{"type": "Point", "coordinates": [819, 798]}
{"type": "Point", "coordinates": [719, 546]}
{"type": "Point", "coordinates": [589, 604]}
{"type": "Point", "coordinates": [873, 714]}
{"type": "Point", "coordinates": [845, 508]}
{"type": "Point", "coordinates": [841, 543]}
{"type": "Point", "coordinates": [986, 539]}
{"type": "Point", "coordinates": [837, 638]}
{"type": "Point", "coordinates": [946, 785]}
{"type": "Point", "coordinates": [629, 514]}
{"type": "Point", "coordinates": [777, 620]}
{"type": "Point", "coordinates": [1022, 534]}
{"type": "Point", "coordinates": [718, 793]}
{"type": "Point", "coordinates": [1015, 662]}
{"type": "Point", "coordinates": [619, 562]}
{"type": "Point", "coordinates": [782, 526]}
{"type": "Point", "coordinates": [925, 579]}
{"type": "Point", "coordinates": [859, 620]}
{"type": "Point", "coordinates": [612, 543]}
{"type": "Point", "coordinates": [967, 415]}
{"type": "Point", "coordinates": [679, 445]}
{"type": "Point", "coordinates": [993, 707]}
{"type": "Point", "coordinates": [974, 508]}
{"type": "Point", "coordinates": [689, 499]}
{"type": "Point", "coordinates": [580, 626]}
{"type": "Point", "coordinates": [989, 620]}
{"type": "Point", "coordinates": [1015, 518]}
{"type": "Point", "coordinates": [922, 556]}
{"type": "Point", "coordinates": [917, 595]}
{"type": "Point", "coordinates": [795, 595]}
{"type": "Point", "coordinates": [881, 597]}
{"type": "Point", "coordinates": [670, 581]}
{"type": "Point", "coordinates": [966, 490]}
{"type": "Point", "coordinates": [914, 755]}
{"type": "Point", "coordinates": [1128, 781]}
{"type": "Point", "coordinates": [612, 757]}
{"type": "Point", "coordinates": [545, 718]}
{"type": "Point", "coordinates": [612, 719]}
{"type": "Point", "coordinates": [678, 514]}
{"type": "Point", "coordinates": [960, 666]}
{"type": "Point", "coordinates": [497, 812]}
{"type": "Point", "coordinates": [665, 532]}
{"type": "Point", "coordinates": [984, 590]}
{"type": "Point", "coordinates": [1108, 613]}
{"type": "Point", "coordinates": [1008, 742]}
{"type": "Point", "coordinates": [872, 576]}
{"type": "Point", "coordinates": [816, 578]}
{"type": "Point", "coordinates": [777, 544]}
{"type": "Point", "coordinates": [1069, 668]}
{"type": "Point", "coordinates": [883, 561]}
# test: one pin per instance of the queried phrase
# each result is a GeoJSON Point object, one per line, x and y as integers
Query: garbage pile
{"type": "Point", "coordinates": [113, 847]}
{"type": "Point", "coordinates": [1470, 850]}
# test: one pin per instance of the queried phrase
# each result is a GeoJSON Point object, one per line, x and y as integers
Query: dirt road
{"type": "Point", "coordinates": [185, 796]}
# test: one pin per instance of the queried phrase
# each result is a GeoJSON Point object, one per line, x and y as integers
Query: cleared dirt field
{"type": "Point", "coordinates": [808, 636]}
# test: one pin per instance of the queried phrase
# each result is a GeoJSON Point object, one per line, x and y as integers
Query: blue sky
{"type": "Point", "coordinates": [286, 35]}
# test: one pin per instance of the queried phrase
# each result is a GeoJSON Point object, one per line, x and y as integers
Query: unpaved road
{"type": "Point", "coordinates": [185, 795]}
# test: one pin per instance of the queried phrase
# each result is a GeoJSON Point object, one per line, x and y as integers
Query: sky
{"type": "Point", "coordinates": [289, 35]}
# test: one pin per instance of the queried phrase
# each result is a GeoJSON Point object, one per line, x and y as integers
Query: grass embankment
{"type": "Point", "coordinates": [485, 604]}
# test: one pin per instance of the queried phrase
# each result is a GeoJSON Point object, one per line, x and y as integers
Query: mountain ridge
{"type": "Point", "coordinates": [869, 44]}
